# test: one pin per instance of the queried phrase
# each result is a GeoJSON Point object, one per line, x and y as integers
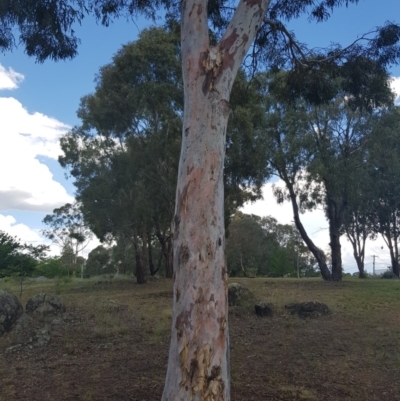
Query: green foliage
{"type": "Point", "coordinates": [263, 246]}
{"type": "Point", "coordinates": [18, 259]}
{"type": "Point", "coordinates": [99, 261]}
{"type": "Point", "coordinates": [388, 275]}
{"type": "Point", "coordinates": [51, 267]}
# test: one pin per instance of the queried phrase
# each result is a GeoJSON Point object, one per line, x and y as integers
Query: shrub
{"type": "Point", "coordinates": [388, 274]}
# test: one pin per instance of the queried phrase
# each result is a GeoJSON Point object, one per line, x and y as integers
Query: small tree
{"type": "Point", "coordinates": [68, 229]}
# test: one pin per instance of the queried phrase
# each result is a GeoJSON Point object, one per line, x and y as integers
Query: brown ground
{"type": "Point", "coordinates": [118, 351]}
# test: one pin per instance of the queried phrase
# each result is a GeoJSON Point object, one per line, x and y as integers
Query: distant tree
{"type": "Point", "coordinates": [68, 229]}
{"type": "Point", "coordinates": [51, 267]}
{"type": "Point", "coordinates": [262, 246]}
{"type": "Point", "coordinates": [99, 261]}
{"type": "Point", "coordinates": [17, 259]}
{"type": "Point", "coordinates": [385, 208]}
{"type": "Point", "coordinates": [318, 150]}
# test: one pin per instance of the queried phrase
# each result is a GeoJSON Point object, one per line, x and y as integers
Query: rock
{"type": "Point", "coordinates": [310, 309]}
{"type": "Point", "coordinates": [42, 337]}
{"type": "Point", "coordinates": [10, 310]}
{"type": "Point", "coordinates": [34, 302]}
{"type": "Point", "coordinates": [263, 309]}
{"type": "Point", "coordinates": [44, 305]}
{"type": "Point", "coordinates": [238, 295]}
{"type": "Point", "coordinates": [22, 329]}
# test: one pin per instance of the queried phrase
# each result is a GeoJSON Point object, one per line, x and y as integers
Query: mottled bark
{"type": "Point", "coordinates": [198, 366]}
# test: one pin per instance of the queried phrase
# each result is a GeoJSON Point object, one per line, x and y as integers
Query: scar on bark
{"type": "Point", "coordinates": [184, 321]}
{"type": "Point", "coordinates": [183, 255]}
{"type": "Point", "coordinates": [210, 63]}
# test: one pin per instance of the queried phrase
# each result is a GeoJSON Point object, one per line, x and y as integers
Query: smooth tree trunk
{"type": "Point", "coordinates": [139, 267]}
{"type": "Point", "coordinates": [198, 365]}
{"type": "Point", "coordinates": [318, 254]}
{"type": "Point", "coordinates": [153, 269]}
{"type": "Point", "coordinates": [335, 219]}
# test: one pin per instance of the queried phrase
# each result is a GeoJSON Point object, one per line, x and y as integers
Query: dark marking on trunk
{"type": "Point", "coordinates": [183, 321]}
{"type": "Point", "coordinates": [191, 11]}
{"type": "Point", "coordinates": [177, 295]}
{"type": "Point", "coordinates": [184, 255]}
{"type": "Point", "coordinates": [215, 373]}
{"type": "Point", "coordinates": [194, 366]}
{"type": "Point", "coordinates": [229, 58]}
{"type": "Point", "coordinates": [219, 241]}
{"type": "Point", "coordinates": [207, 84]}
{"type": "Point", "coordinates": [189, 169]}
{"type": "Point", "coordinates": [200, 297]}
{"type": "Point", "coordinates": [212, 299]}
{"type": "Point", "coordinates": [199, 9]}
{"type": "Point", "coordinates": [187, 130]}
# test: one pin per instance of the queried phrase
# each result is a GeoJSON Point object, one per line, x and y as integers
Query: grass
{"type": "Point", "coordinates": [117, 336]}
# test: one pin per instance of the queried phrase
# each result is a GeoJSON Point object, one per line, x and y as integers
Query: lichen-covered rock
{"type": "Point", "coordinates": [44, 305]}
{"type": "Point", "coordinates": [239, 295]}
{"type": "Point", "coordinates": [263, 309]}
{"type": "Point", "coordinates": [10, 310]}
{"type": "Point", "coordinates": [311, 309]}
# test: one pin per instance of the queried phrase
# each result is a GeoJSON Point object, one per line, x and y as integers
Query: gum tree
{"type": "Point", "coordinates": [198, 367]}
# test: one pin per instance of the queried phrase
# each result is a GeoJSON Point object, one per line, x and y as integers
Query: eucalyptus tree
{"type": "Point", "coordinates": [288, 154]}
{"type": "Point", "coordinates": [358, 223]}
{"type": "Point", "coordinates": [68, 229]}
{"type": "Point", "coordinates": [198, 364]}
{"type": "Point", "coordinates": [319, 150]}
{"type": "Point", "coordinates": [385, 160]}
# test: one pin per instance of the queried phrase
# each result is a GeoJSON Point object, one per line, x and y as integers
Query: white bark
{"type": "Point", "coordinates": [198, 367]}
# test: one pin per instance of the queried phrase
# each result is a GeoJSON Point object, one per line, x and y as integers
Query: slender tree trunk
{"type": "Point", "coordinates": [360, 265]}
{"type": "Point", "coordinates": [393, 254]}
{"type": "Point", "coordinates": [139, 268]}
{"type": "Point", "coordinates": [357, 239]}
{"type": "Point", "coordinates": [198, 365]}
{"type": "Point", "coordinates": [336, 252]}
{"type": "Point", "coordinates": [153, 270]}
{"type": "Point", "coordinates": [166, 251]}
{"type": "Point", "coordinates": [319, 255]}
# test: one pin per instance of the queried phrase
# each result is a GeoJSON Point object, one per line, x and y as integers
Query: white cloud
{"type": "Point", "coordinates": [25, 182]}
{"type": "Point", "coordinates": [28, 235]}
{"type": "Point", "coordinates": [9, 79]}
{"type": "Point", "coordinates": [316, 226]}
{"type": "Point", "coordinates": [395, 85]}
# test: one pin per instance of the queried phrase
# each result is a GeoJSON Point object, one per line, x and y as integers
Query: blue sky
{"type": "Point", "coordinates": [40, 101]}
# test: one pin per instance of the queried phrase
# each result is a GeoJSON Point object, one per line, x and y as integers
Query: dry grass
{"type": "Point", "coordinates": [115, 344]}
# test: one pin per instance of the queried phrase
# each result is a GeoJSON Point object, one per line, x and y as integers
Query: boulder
{"type": "Point", "coordinates": [10, 310]}
{"type": "Point", "coordinates": [311, 309]}
{"type": "Point", "coordinates": [21, 332]}
{"type": "Point", "coordinates": [44, 305]}
{"type": "Point", "coordinates": [238, 295]}
{"type": "Point", "coordinates": [263, 309]}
